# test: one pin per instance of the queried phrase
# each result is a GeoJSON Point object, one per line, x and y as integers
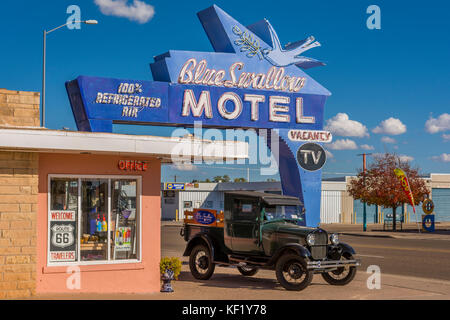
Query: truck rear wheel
{"type": "Point", "coordinates": [201, 263]}
{"type": "Point", "coordinates": [292, 272]}
{"type": "Point", "coordinates": [247, 271]}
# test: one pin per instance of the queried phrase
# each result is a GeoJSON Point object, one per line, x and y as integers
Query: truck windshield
{"type": "Point", "coordinates": [283, 212]}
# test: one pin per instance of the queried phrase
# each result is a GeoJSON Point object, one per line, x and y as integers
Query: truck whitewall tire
{"type": "Point", "coordinates": [292, 273]}
{"type": "Point", "coordinates": [201, 262]}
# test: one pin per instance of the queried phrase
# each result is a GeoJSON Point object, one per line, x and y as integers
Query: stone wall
{"type": "Point", "coordinates": [18, 199]}
{"type": "Point", "coordinates": [19, 108]}
{"type": "Point", "coordinates": [18, 209]}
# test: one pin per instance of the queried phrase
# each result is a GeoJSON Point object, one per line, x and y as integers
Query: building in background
{"type": "Point", "coordinates": [179, 197]}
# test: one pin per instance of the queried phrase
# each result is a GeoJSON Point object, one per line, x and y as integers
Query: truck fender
{"type": "Point", "coordinates": [298, 248]}
{"type": "Point", "coordinates": [346, 248]}
{"type": "Point", "coordinates": [202, 238]}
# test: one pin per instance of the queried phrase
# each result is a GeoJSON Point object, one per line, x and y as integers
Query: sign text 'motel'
{"type": "Point", "coordinates": [250, 81]}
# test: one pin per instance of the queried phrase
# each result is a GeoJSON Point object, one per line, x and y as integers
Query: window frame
{"type": "Point", "coordinates": [79, 178]}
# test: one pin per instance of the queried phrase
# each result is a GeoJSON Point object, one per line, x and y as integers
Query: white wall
{"type": "Point", "coordinates": [199, 199]}
{"type": "Point", "coordinates": [330, 206]}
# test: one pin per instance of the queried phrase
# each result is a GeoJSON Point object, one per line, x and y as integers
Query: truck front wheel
{"type": "Point", "coordinates": [292, 273]}
{"type": "Point", "coordinates": [200, 263]}
{"type": "Point", "coordinates": [342, 275]}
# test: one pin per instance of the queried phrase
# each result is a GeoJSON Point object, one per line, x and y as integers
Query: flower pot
{"type": "Point", "coordinates": [167, 277]}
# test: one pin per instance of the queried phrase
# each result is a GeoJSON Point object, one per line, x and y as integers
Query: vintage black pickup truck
{"type": "Point", "coordinates": [260, 231]}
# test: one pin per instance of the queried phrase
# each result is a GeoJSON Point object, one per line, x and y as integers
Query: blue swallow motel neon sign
{"type": "Point", "coordinates": [249, 81]}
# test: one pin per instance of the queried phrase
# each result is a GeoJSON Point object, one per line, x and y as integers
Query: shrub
{"type": "Point", "coordinates": [173, 264]}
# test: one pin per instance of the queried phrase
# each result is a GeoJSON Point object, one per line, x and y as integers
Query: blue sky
{"type": "Point", "coordinates": [401, 71]}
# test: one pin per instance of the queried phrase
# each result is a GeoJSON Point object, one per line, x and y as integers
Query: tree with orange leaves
{"type": "Point", "coordinates": [380, 186]}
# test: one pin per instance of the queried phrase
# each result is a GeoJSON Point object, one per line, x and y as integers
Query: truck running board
{"type": "Point", "coordinates": [246, 261]}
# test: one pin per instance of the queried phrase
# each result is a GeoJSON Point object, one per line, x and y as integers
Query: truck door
{"type": "Point", "coordinates": [244, 225]}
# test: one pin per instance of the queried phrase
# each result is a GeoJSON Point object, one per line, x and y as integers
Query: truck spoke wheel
{"type": "Point", "coordinates": [292, 273]}
{"type": "Point", "coordinates": [342, 275]}
{"type": "Point", "coordinates": [200, 263]}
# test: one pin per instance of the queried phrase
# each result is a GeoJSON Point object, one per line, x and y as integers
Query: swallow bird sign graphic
{"type": "Point", "coordinates": [250, 80]}
{"type": "Point", "coordinates": [291, 54]}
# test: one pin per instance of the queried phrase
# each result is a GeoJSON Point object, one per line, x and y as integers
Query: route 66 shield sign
{"type": "Point", "coordinates": [62, 235]}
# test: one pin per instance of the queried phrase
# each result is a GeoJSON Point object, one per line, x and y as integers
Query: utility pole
{"type": "Point", "coordinates": [364, 183]}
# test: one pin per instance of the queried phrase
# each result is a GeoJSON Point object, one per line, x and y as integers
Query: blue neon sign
{"type": "Point", "coordinates": [250, 81]}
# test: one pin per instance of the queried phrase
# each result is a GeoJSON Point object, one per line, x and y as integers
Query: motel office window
{"type": "Point", "coordinates": [93, 220]}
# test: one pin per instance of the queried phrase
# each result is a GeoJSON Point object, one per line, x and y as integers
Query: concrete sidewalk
{"type": "Point", "coordinates": [409, 231]}
{"type": "Point", "coordinates": [228, 284]}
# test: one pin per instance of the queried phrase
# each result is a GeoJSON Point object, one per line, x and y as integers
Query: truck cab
{"type": "Point", "coordinates": [260, 230]}
{"type": "Point", "coordinates": [249, 216]}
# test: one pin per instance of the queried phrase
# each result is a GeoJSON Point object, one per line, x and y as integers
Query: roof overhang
{"type": "Point", "coordinates": [270, 199]}
{"type": "Point", "coordinates": [165, 148]}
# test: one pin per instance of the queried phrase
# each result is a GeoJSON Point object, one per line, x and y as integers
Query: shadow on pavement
{"type": "Point", "coordinates": [236, 281]}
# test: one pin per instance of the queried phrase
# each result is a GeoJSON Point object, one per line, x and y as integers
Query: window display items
{"type": "Point", "coordinates": [104, 225]}
{"type": "Point", "coordinates": [123, 239]}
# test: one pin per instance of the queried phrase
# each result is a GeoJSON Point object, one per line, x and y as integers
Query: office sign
{"type": "Point", "coordinates": [249, 81]}
{"type": "Point", "coordinates": [133, 165]}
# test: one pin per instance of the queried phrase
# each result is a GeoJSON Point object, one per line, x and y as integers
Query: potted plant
{"type": "Point", "coordinates": [170, 269]}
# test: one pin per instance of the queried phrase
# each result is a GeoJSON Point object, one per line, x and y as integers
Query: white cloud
{"type": "Point", "coordinates": [446, 137]}
{"type": "Point", "coordinates": [388, 140]}
{"type": "Point", "coordinates": [138, 11]}
{"type": "Point", "coordinates": [378, 155]}
{"type": "Point", "coordinates": [402, 157]}
{"type": "Point", "coordinates": [329, 154]}
{"type": "Point", "coordinates": [366, 147]}
{"type": "Point", "coordinates": [405, 158]}
{"type": "Point", "coordinates": [390, 126]}
{"type": "Point", "coordinates": [445, 157]}
{"type": "Point", "coordinates": [343, 144]}
{"type": "Point", "coordinates": [184, 166]}
{"type": "Point", "coordinates": [341, 125]}
{"type": "Point", "coordinates": [439, 124]}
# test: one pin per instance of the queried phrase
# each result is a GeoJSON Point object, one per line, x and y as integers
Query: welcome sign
{"type": "Point", "coordinates": [250, 81]}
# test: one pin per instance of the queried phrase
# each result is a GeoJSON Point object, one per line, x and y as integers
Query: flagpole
{"type": "Point", "coordinates": [417, 222]}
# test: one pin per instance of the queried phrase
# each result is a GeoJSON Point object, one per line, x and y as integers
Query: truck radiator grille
{"type": "Point", "coordinates": [321, 237]}
{"type": "Point", "coordinates": [319, 252]}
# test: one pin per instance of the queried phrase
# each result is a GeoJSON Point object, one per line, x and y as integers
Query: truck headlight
{"type": "Point", "coordinates": [334, 238]}
{"type": "Point", "coordinates": [311, 239]}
